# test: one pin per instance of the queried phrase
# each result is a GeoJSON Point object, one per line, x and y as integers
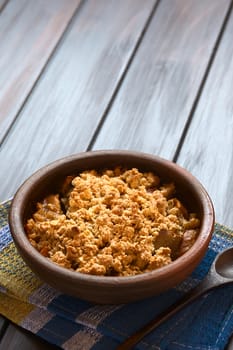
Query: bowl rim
{"type": "Point", "coordinates": [22, 242]}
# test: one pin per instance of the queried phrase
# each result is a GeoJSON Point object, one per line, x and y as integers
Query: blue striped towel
{"type": "Point", "coordinates": [71, 323]}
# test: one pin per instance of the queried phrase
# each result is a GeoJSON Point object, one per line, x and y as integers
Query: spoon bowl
{"type": "Point", "coordinates": [224, 264]}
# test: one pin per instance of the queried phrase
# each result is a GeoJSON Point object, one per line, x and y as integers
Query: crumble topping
{"type": "Point", "coordinates": [116, 222]}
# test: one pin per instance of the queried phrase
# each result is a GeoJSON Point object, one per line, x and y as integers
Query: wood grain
{"type": "Point", "coordinates": [154, 102]}
{"type": "Point", "coordinates": [29, 32]}
{"type": "Point", "coordinates": [69, 100]}
{"type": "Point", "coordinates": [2, 4]}
{"type": "Point", "coordinates": [208, 147]}
{"type": "Point", "coordinates": [16, 339]}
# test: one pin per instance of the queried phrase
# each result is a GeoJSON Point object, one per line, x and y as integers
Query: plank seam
{"type": "Point", "coordinates": [45, 66]}
{"type": "Point", "coordinates": [122, 78]}
{"type": "Point", "coordinates": [203, 81]}
{"type": "Point", "coordinates": [3, 5]}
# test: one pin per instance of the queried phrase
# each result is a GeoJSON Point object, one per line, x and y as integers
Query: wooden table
{"type": "Point", "coordinates": [154, 76]}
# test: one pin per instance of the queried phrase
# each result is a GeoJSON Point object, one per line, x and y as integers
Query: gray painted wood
{"type": "Point", "coordinates": [69, 100]}
{"type": "Point", "coordinates": [208, 147]}
{"type": "Point", "coordinates": [3, 4]}
{"type": "Point", "coordinates": [39, 26]}
{"type": "Point", "coordinates": [154, 102]}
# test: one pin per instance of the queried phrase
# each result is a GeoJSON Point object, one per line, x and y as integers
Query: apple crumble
{"type": "Point", "coordinates": [117, 222]}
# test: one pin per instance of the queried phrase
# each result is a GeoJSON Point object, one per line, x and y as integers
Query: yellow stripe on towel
{"type": "Point", "coordinates": [16, 278]}
{"type": "Point", "coordinates": [13, 309]}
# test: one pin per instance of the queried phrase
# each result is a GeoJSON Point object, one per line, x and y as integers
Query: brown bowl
{"type": "Point", "coordinates": [104, 289]}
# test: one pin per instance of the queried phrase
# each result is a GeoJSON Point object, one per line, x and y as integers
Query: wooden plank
{"type": "Point", "coordinates": [208, 147]}
{"type": "Point", "coordinates": [29, 32]}
{"type": "Point", "coordinates": [16, 339]}
{"type": "Point", "coordinates": [154, 102]}
{"type": "Point", "coordinates": [3, 4]}
{"type": "Point", "coordinates": [3, 326]}
{"type": "Point", "coordinates": [67, 104]}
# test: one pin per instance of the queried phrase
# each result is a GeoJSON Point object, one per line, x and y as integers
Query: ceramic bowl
{"type": "Point", "coordinates": [110, 289]}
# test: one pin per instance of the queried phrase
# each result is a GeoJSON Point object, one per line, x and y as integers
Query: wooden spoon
{"type": "Point", "coordinates": [220, 273]}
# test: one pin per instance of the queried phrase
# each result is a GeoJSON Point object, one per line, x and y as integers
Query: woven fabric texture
{"type": "Point", "coordinates": [71, 323]}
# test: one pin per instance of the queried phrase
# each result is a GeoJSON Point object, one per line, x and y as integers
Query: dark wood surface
{"type": "Point", "coordinates": [154, 76]}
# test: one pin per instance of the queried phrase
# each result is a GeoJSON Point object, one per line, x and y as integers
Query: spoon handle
{"type": "Point", "coordinates": [202, 288]}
